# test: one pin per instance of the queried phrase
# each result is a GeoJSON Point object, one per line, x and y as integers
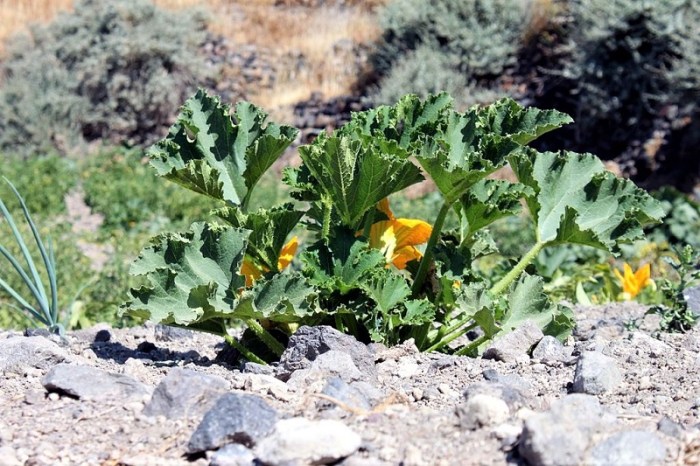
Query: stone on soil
{"type": "Point", "coordinates": [550, 350]}
{"type": "Point", "coordinates": [184, 393]}
{"type": "Point", "coordinates": [516, 344]}
{"type": "Point", "coordinates": [596, 374]}
{"type": "Point", "coordinates": [308, 343]}
{"type": "Point", "coordinates": [562, 434]}
{"type": "Point", "coordinates": [90, 383]}
{"type": "Point", "coordinates": [235, 417]}
{"type": "Point", "coordinates": [482, 411]}
{"type": "Point", "coordinates": [358, 395]}
{"type": "Point", "coordinates": [512, 395]}
{"type": "Point", "coordinates": [632, 447]}
{"type": "Point", "coordinates": [18, 353]}
{"type": "Point", "coordinates": [233, 454]}
{"type": "Point", "coordinates": [301, 441]}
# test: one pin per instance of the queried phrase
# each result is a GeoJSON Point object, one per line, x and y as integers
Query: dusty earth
{"type": "Point", "coordinates": [402, 407]}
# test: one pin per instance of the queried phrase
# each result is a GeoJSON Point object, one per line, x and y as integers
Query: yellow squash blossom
{"type": "Point", "coordinates": [253, 272]}
{"type": "Point", "coordinates": [633, 283]}
{"type": "Point", "coordinates": [397, 238]}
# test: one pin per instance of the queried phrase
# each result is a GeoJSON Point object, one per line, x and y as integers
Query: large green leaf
{"type": "Point", "coordinates": [354, 176]}
{"type": "Point", "coordinates": [268, 230]}
{"type": "Point", "coordinates": [210, 153]}
{"type": "Point", "coordinates": [575, 200]}
{"type": "Point", "coordinates": [462, 154]}
{"type": "Point", "coordinates": [344, 266]}
{"type": "Point", "coordinates": [284, 297]}
{"type": "Point", "coordinates": [387, 289]}
{"type": "Point", "coordinates": [523, 125]}
{"type": "Point", "coordinates": [192, 276]}
{"type": "Point", "coordinates": [488, 201]}
{"type": "Point", "coordinates": [528, 301]}
{"type": "Point", "coordinates": [404, 123]}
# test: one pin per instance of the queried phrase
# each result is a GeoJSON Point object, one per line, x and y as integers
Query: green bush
{"type": "Point", "coordinates": [43, 182]}
{"type": "Point", "coordinates": [446, 45]}
{"type": "Point", "coordinates": [630, 76]}
{"type": "Point", "coordinates": [113, 71]}
{"type": "Point", "coordinates": [120, 186]}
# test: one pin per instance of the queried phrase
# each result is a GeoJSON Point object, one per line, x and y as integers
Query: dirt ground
{"type": "Point", "coordinates": [416, 422]}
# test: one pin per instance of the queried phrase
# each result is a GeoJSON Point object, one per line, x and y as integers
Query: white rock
{"type": "Point", "coordinates": [407, 368]}
{"type": "Point", "coordinates": [483, 410]}
{"type": "Point", "coordinates": [299, 440]}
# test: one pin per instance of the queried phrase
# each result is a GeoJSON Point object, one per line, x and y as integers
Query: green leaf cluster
{"type": "Point", "coordinates": [346, 274]}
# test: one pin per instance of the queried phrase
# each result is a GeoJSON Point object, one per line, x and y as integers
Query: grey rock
{"type": "Point", "coordinates": [255, 368]}
{"type": "Point", "coordinates": [550, 350]}
{"type": "Point", "coordinates": [635, 447]}
{"type": "Point", "coordinates": [170, 333]}
{"type": "Point", "coordinates": [513, 395]}
{"type": "Point", "coordinates": [596, 374]}
{"type": "Point", "coordinates": [266, 384]}
{"type": "Point", "coordinates": [235, 417]}
{"type": "Point", "coordinates": [301, 441]}
{"type": "Point", "coordinates": [482, 411]}
{"type": "Point", "coordinates": [184, 393]}
{"type": "Point", "coordinates": [692, 297]}
{"type": "Point", "coordinates": [233, 454]}
{"type": "Point", "coordinates": [327, 365]}
{"type": "Point", "coordinates": [512, 380]}
{"type": "Point", "coordinates": [563, 434]}
{"type": "Point", "coordinates": [90, 383]}
{"type": "Point", "coordinates": [335, 363]}
{"type": "Point", "coordinates": [18, 353]}
{"type": "Point", "coordinates": [308, 343]}
{"type": "Point", "coordinates": [361, 395]}
{"type": "Point", "coordinates": [667, 427]}
{"type": "Point", "coordinates": [516, 344]}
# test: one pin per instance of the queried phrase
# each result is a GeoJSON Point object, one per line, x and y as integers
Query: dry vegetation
{"type": "Point", "coordinates": [285, 27]}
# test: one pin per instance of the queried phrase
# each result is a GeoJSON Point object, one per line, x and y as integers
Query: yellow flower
{"type": "Point", "coordinates": [397, 237]}
{"type": "Point", "coordinates": [633, 283]}
{"type": "Point", "coordinates": [253, 272]}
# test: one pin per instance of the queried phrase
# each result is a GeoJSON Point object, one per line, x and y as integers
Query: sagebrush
{"type": "Point", "coordinates": [108, 71]}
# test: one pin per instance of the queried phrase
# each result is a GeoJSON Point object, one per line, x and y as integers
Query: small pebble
{"type": "Point", "coordinates": [417, 394]}
{"type": "Point", "coordinates": [53, 396]}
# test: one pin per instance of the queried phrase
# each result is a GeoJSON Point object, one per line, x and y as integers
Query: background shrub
{"type": "Point", "coordinates": [628, 72]}
{"type": "Point", "coordinates": [447, 45]}
{"type": "Point", "coordinates": [113, 71]}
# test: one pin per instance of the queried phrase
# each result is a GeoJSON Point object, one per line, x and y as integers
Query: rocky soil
{"type": "Point", "coordinates": [155, 395]}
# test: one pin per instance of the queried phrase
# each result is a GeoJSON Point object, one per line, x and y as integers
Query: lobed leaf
{"type": "Point", "coordinates": [488, 201]}
{"type": "Point", "coordinates": [575, 200]}
{"type": "Point", "coordinates": [192, 276]}
{"type": "Point", "coordinates": [523, 125]}
{"type": "Point", "coordinates": [209, 153]}
{"type": "Point", "coordinates": [268, 230]}
{"type": "Point", "coordinates": [355, 177]}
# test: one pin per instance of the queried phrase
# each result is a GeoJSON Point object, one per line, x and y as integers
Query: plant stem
{"type": "Point", "coordinates": [475, 344]}
{"type": "Point", "coordinates": [265, 336]}
{"type": "Point", "coordinates": [452, 335]}
{"type": "Point", "coordinates": [428, 256]}
{"type": "Point", "coordinates": [249, 355]}
{"type": "Point", "coordinates": [515, 272]}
